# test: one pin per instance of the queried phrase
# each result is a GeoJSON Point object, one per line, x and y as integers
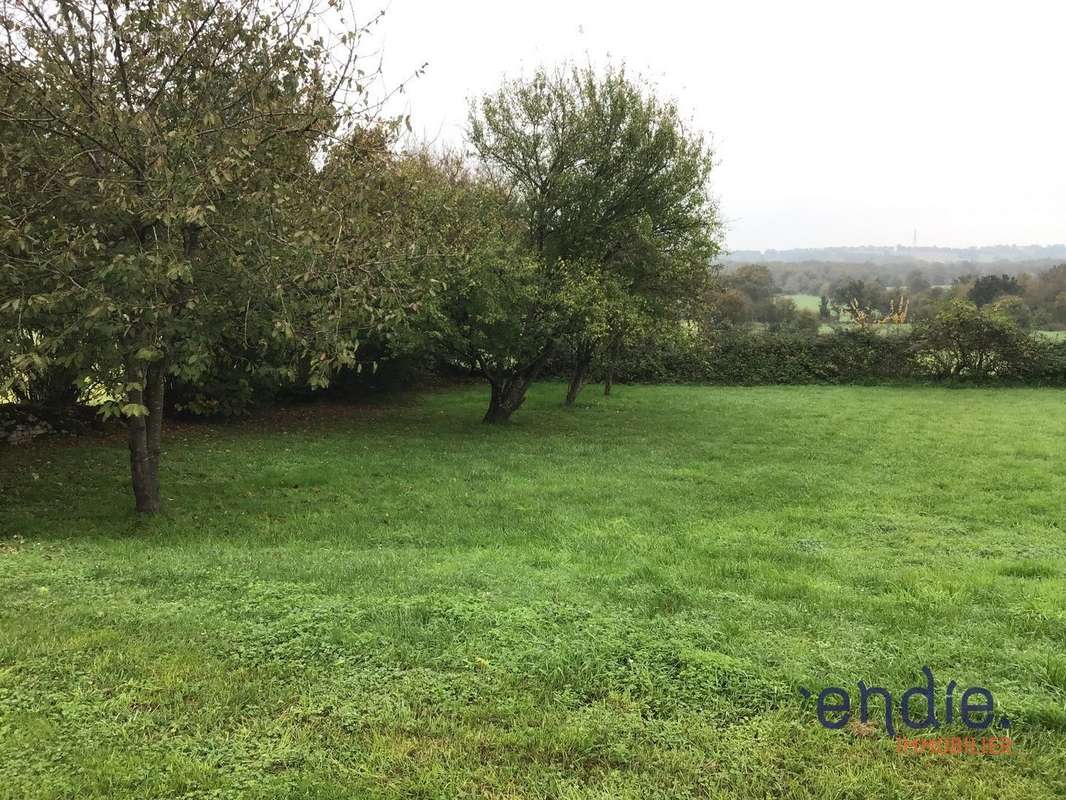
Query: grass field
{"type": "Point", "coordinates": [812, 302]}
{"type": "Point", "coordinates": [805, 302]}
{"type": "Point", "coordinates": [623, 600]}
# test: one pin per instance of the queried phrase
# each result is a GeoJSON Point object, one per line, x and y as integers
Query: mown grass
{"type": "Point", "coordinates": [619, 601]}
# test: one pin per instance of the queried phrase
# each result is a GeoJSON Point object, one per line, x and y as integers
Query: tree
{"type": "Point", "coordinates": [917, 282]}
{"type": "Point", "coordinates": [1015, 309]}
{"type": "Point", "coordinates": [599, 311]}
{"type": "Point", "coordinates": [613, 191]}
{"type": "Point", "coordinates": [160, 159]}
{"type": "Point", "coordinates": [492, 306]}
{"type": "Point", "coordinates": [627, 326]}
{"type": "Point", "coordinates": [725, 307]}
{"type": "Point", "coordinates": [754, 280]}
{"type": "Point", "coordinates": [1046, 295]}
{"type": "Point", "coordinates": [988, 288]}
{"type": "Point", "coordinates": [776, 313]}
{"type": "Point", "coordinates": [962, 340]}
{"type": "Point", "coordinates": [869, 296]}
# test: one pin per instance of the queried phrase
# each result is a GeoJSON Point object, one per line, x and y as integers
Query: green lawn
{"type": "Point", "coordinates": [622, 600]}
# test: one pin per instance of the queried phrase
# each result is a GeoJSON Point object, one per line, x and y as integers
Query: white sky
{"type": "Point", "coordinates": [834, 123]}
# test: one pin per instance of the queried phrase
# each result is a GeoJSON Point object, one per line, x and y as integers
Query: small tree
{"type": "Point", "coordinates": [754, 280]}
{"type": "Point", "coordinates": [917, 282]}
{"type": "Point", "coordinates": [1046, 295]}
{"type": "Point", "coordinates": [600, 314]}
{"type": "Point", "coordinates": [725, 307]}
{"type": "Point", "coordinates": [492, 306]}
{"type": "Point", "coordinates": [962, 340]}
{"type": "Point", "coordinates": [823, 309]}
{"type": "Point", "coordinates": [869, 295]}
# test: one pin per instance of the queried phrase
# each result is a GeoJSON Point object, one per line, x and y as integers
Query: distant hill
{"type": "Point", "coordinates": [993, 254]}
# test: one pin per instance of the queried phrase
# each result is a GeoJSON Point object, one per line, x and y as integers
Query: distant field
{"type": "Point", "coordinates": [812, 302]}
{"type": "Point", "coordinates": [805, 302]}
{"type": "Point", "coordinates": [620, 601]}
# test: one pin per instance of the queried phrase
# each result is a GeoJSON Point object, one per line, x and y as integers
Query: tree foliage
{"type": "Point", "coordinates": [962, 340]}
{"type": "Point", "coordinates": [612, 189]}
{"type": "Point", "coordinates": [988, 288]}
{"type": "Point", "coordinates": [202, 196]}
{"type": "Point", "coordinates": [164, 205]}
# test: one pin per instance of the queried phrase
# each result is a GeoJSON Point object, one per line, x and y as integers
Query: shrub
{"type": "Point", "coordinates": [1046, 363]}
{"type": "Point", "coordinates": [961, 342]}
{"type": "Point", "coordinates": [731, 356]}
{"type": "Point", "coordinates": [964, 341]}
{"type": "Point", "coordinates": [1016, 310]}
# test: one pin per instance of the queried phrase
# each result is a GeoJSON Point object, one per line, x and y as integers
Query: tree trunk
{"type": "Point", "coordinates": [507, 397]}
{"type": "Point", "coordinates": [508, 393]}
{"type": "Point", "coordinates": [145, 494]}
{"type": "Point", "coordinates": [156, 389]}
{"type": "Point", "coordinates": [145, 436]}
{"type": "Point", "coordinates": [613, 351]}
{"type": "Point", "coordinates": [577, 380]}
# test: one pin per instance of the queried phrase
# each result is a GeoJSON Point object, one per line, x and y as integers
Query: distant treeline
{"type": "Point", "coordinates": [819, 276]}
{"type": "Point", "coordinates": [899, 254]}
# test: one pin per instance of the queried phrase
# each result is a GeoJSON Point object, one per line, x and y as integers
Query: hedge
{"type": "Point", "coordinates": [844, 357]}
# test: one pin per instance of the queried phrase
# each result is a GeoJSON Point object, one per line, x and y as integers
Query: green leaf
{"type": "Point", "coordinates": [134, 410]}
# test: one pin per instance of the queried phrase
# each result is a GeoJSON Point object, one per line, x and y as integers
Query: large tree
{"type": "Point", "coordinates": [159, 160]}
{"type": "Point", "coordinates": [614, 197]}
{"type": "Point", "coordinates": [989, 288]}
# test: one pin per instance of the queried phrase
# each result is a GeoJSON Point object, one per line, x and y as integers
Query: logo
{"type": "Point", "coordinates": [973, 707]}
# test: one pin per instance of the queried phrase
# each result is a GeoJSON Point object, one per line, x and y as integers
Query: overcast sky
{"type": "Point", "coordinates": [834, 123]}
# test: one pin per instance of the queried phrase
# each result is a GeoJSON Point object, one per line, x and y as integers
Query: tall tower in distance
{"type": "Point", "coordinates": [915, 238]}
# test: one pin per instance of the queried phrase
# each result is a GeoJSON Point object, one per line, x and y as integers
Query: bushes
{"type": "Point", "coordinates": [738, 357]}
{"type": "Point", "coordinates": [235, 385]}
{"type": "Point", "coordinates": [1046, 362]}
{"type": "Point", "coordinates": [965, 341]}
{"type": "Point", "coordinates": [226, 390]}
{"type": "Point", "coordinates": [961, 343]}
